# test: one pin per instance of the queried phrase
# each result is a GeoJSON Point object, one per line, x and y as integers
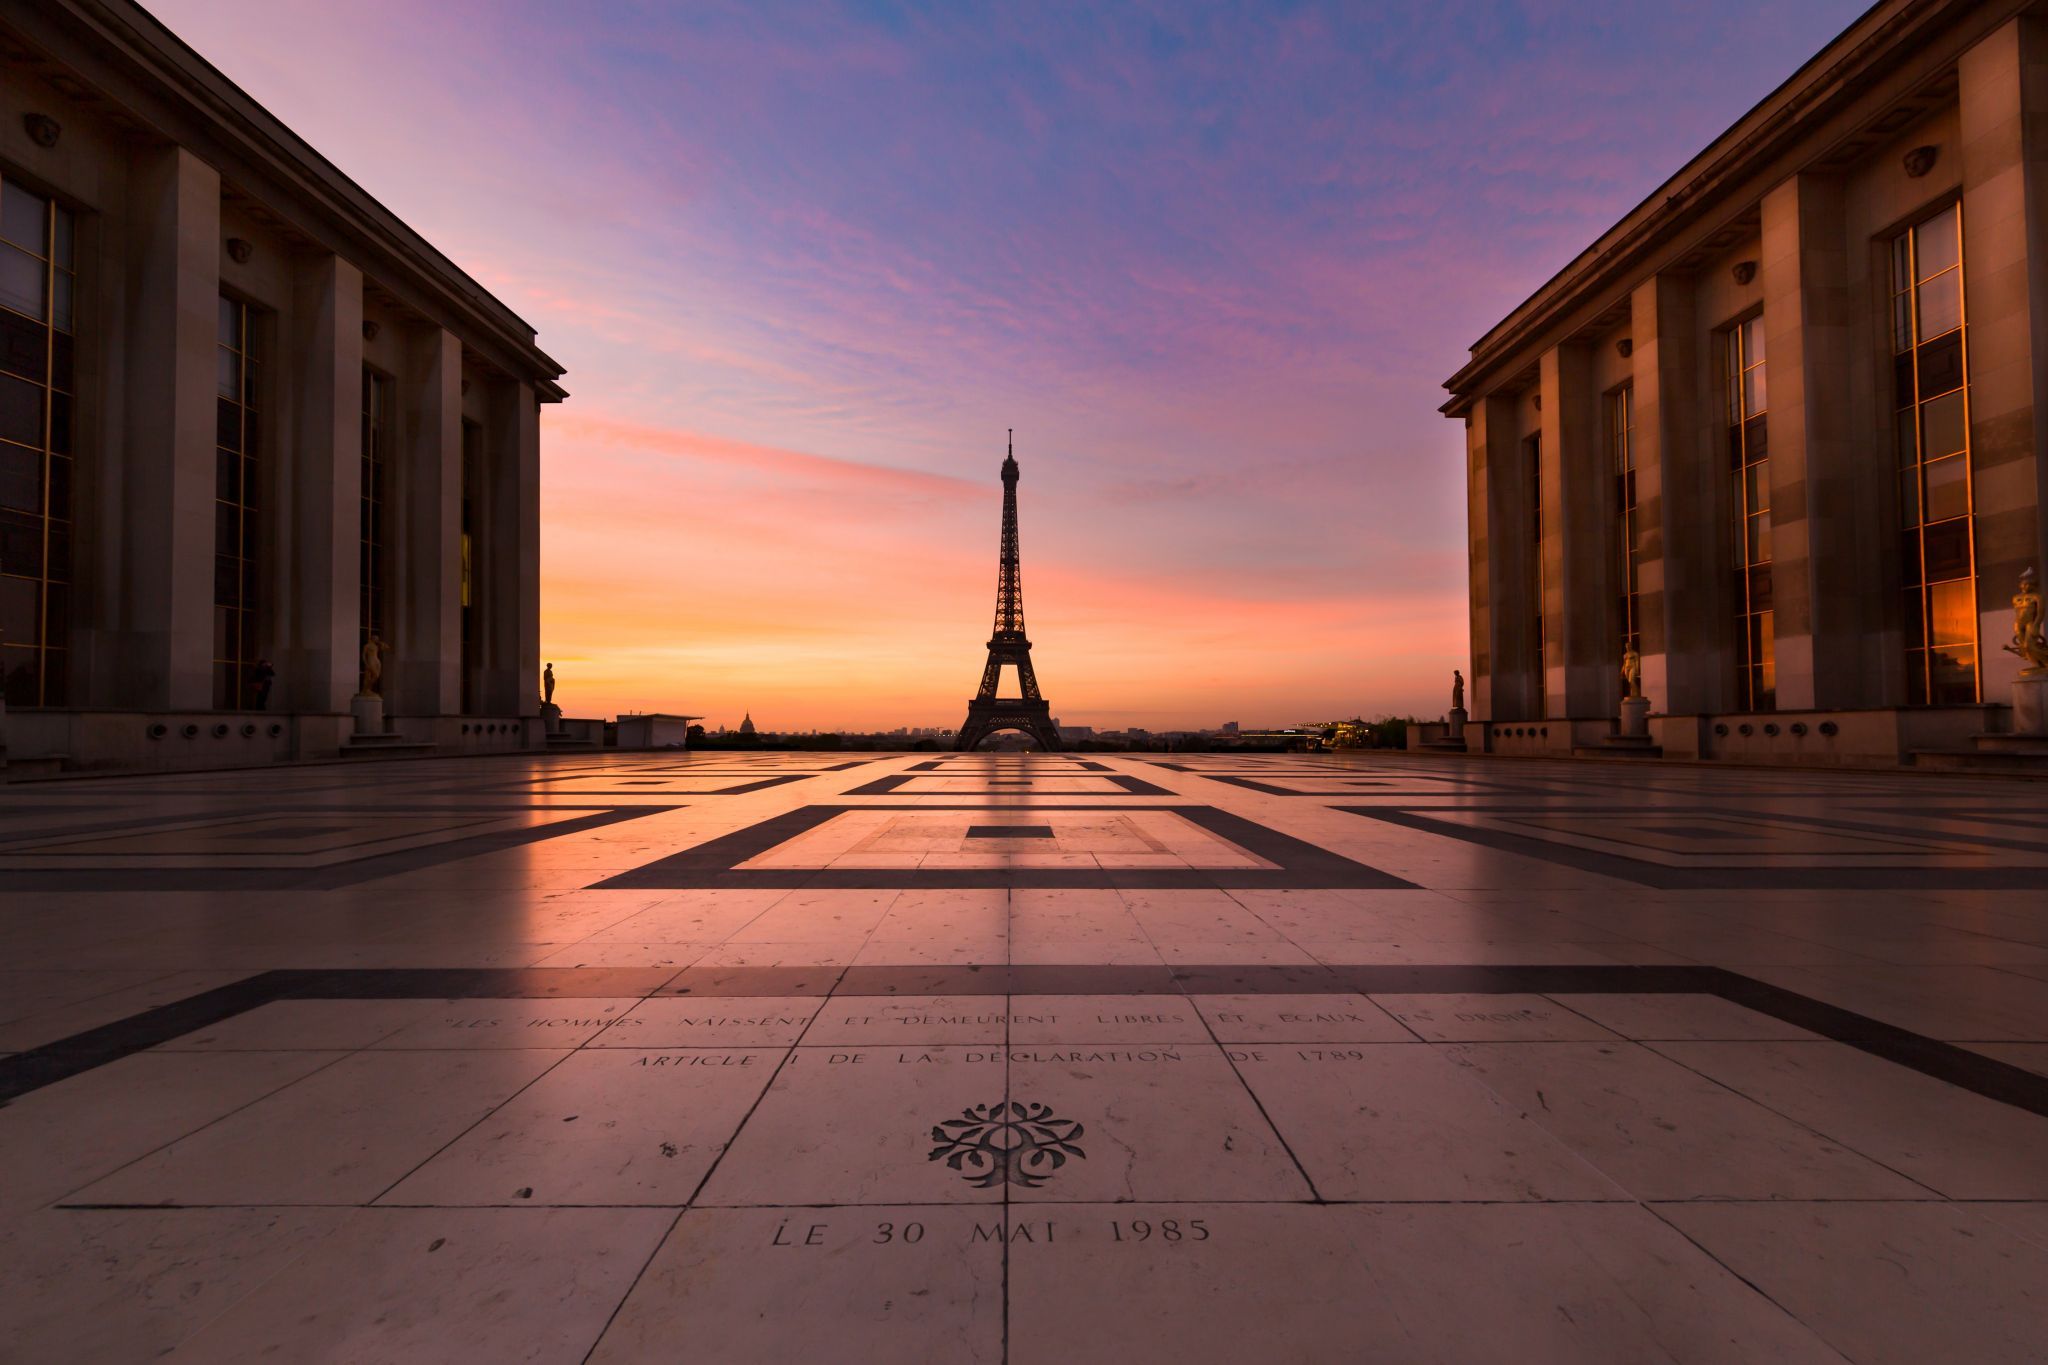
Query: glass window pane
{"type": "Point", "coordinates": [1946, 549]}
{"type": "Point", "coordinates": [61, 313]}
{"type": "Point", "coordinates": [21, 482]}
{"type": "Point", "coordinates": [61, 350]}
{"type": "Point", "coordinates": [228, 327]}
{"type": "Point", "coordinates": [1905, 436]}
{"type": "Point", "coordinates": [1935, 243]}
{"type": "Point", "coordinates": [227, 372]}
{"type": "Point", "coordinates": [1941, 365]}
{"type": "Point", "coordinates": [1902, 322]}
{"type": "Point", "coordinates": [1942, 426]}
{"type": "Point", "coordinates": [1909, 499]}
{"type": "Point", "coordinates": [24, 346]}
{"type": "Point", "coordinates": [1902, 263]}
{"type": "Point", "coordinates": [1754, 399]}
{"type": "Point", "coordinates": [1948, 488]}
{"type": "Point", "coordinates": [1756, 437]}
{"type": "Point", "coordinates": [65, 233]}
{"type": "Point", "coordinates": [1952, 613]}
{"type": "Point", "coordinates": [1941, 304]}
{"type": "Point", "coordinates": [1753, 339]}
{"type": "Point", "coordinates": [21, 411]}
{"type": "Point", "coordinates": [227, 423]}
{"type": "Point", "coordinates": [24, 218]}
{"type": "Point", "coordinates": [22, 282]}
{"type": "Point", "coordinates": [1760, 587]}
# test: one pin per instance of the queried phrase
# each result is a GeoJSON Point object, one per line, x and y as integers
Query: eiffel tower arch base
{"type": "Point", "coordinates": [985, 718]}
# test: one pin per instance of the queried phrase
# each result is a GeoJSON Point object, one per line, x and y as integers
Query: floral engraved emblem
{"type": "Point", "coordinates": [1006, 1141]}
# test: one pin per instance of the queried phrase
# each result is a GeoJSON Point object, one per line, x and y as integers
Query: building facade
{"type": "Point", "coordinates": [248, 420]}
{"type": "Point", "coordinates": [1782, 427]}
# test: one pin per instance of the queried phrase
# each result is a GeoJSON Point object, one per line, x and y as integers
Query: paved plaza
{"type": "Point", "coordinates": [1063, 1059]}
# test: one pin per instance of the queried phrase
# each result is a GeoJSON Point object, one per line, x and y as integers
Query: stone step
{"type": "Point", "coordinates": [369, 746]}
{"type": "Point", "coordinates": [2019, 761]}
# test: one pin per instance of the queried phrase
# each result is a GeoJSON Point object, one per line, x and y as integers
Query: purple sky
{"type": "Point", "coordinates": [805, 263]}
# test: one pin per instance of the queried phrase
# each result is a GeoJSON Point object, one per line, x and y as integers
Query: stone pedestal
{"type": "Point", "coordinates": [1454, 726]}
{"type": "Point", "coordinates": [1635, 717]}
{"type": "Point", "coordinates": [368, 709]}
{"type": "Point", "coordinates": [2030, 704]}
{"type": "Point", "coordinates": [551, 717]}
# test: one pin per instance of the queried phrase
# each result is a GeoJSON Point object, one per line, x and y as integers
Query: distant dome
{"type": "Point", "coordinates": [747, 724]}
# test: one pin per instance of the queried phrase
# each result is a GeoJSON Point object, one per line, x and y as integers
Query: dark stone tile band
{"type": "Point", "coordinates": [1665, 878]}
{"type": "Point", "coordinates": [1298, 865]}
{"type": "Point", "coordinates": [333, 875]}
{"type": "Point", "coordinates": [1957, 1066]}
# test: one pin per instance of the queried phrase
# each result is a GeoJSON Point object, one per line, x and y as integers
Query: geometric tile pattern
{"type": "Point", "coordinates": [991, 1057]}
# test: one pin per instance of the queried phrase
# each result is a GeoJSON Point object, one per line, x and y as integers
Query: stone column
{"type": "Point", "coordinates": [428, 576]}
{"type": "Point", "coordinates": [1479, 563]}
{"type": "Point", "coordinates": [164, 655]}
{"type": "Point", "coordinates": [319, 668]}
{"type": "Point", "coordinates": [511, 674]}
{"type": "Point", "coordinates": [1681, 504]}
{"type": "Point", "coordinates": [1504, 687]}
{"type": "Point", "coordinates": [2003, 102]}
{"type": "Point", "coordinates": [1829, 472]}
{"type": "Point", "coordinates": [1584, 666]}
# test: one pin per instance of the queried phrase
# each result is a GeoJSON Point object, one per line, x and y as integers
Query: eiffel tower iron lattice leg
{"type": "Point", "coordinates": [1007, 644]}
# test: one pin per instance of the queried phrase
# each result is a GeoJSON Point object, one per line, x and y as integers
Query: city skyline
{"type": "Point", "coordinates": [803, 276]}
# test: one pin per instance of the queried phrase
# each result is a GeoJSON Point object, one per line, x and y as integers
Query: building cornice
{"type": "Point", "coordinates": [1699, 198]}
{"type": "Point", "coordinates": [132, 61]}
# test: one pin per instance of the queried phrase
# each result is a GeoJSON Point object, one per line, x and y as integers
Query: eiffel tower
{"type": "Point", "coordinates": [988, 713]}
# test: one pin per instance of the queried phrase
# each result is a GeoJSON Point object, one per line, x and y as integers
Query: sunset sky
{"type": "Point", "coordinates": [805, 263]}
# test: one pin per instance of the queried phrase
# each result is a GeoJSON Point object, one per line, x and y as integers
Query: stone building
{"type": "Point", "coordinates": [1782, 427]}
{"type": "Point", "coordinates": [247, 418]}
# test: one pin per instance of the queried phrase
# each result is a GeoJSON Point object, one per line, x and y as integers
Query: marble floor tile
{"type": "Point", "coordinates": [1886, 1283]}
{"type": "Point", "coordinates": [343, 1135]}
{"type": "Point", "coordinates": [130, 1284]}
{"type": "Point", "coordinates": [909, 1020]}
{"type": "Point", "coordinates": [1481, 1018]}
{"type": "Point", "coordinates": [66, 1135]}
{"type": "Point", "coordinates": [607, 1126]}
{"type": "Point", "coordinates": [550, 1025]}
{"type": "Point", "coordinates": [1299, 1019]}
{"type": "Point", "coordinates": [1963, 1145]}
{"type": "Point", "coordinates": [853, 1125]}
{"type": "Point", "coordinates": [710, 1021]}
{"type": "Point", "coordinates": [442, 1284]}
{"type": "Point", "coordinates": [1399, 1121]}
{"type": "Point", "coordinates": [1663, 1131]}
{"type": "Point", "coordinates": [1678, 1017]}
{"type": "Point", "coordinates": [920, 1285]}
{"type": "Point", "coordinates": [1160, 1121]}
{"type": "Point", "coordinates": [1106, 1019]}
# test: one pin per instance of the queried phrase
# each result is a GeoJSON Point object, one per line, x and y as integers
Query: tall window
{"type": "Point", "coordinates": [234, 510]}
{"type": "Point", "coordinates": [36, 290]}
{"type": "Point", "coordinates": [1749, 457]}
{"type": "Point", "coordinates": [1533, 460]}
{"type": "Point", "coordinates": [1930, 396]}
{"type": "Point", "coordinates": [472, 492]}
{"type": "Point", "coordinates": [1621, 442]}
{"type": "Point", "coordinates": [376, 465]}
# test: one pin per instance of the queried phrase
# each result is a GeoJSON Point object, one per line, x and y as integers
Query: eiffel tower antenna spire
{"type": "Point", "coordinates": [1007, 643]}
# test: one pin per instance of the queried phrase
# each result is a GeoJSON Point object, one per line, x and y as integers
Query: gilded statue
{"type": "Point", "coordinates": [2027, 640]}
{"type": "Point", "coordinates": [374, 650]}
{"type": "Point", "coordinates": [1631, 671]}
